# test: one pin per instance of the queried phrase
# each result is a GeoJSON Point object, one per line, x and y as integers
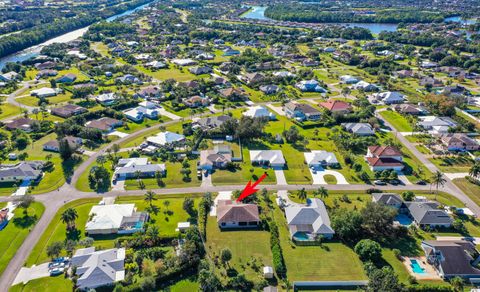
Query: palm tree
{"type": "Point", "coordinates": [475, 170]}
{"type": "Point", "coordinates": [150, 197]}
{"type": "Point", "coordinates": [322, 192]}
{"type": "Point", "coordinates": [302, 194]}
{"type": "Point", "coordinates": [68, 217]}
{"type": "Point", "coordinates": [437, 180]}
{"type": "Point", "coordinates": [101, 160]}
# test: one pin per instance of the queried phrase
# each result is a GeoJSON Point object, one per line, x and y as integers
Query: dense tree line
{"type": "Point", "coordinates": [315, 14]}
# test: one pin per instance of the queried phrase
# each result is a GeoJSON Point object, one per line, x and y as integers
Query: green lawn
{"type": "Point", "coordinates": [453, 163]}
{"type": "Point", "coordinates": [57, 284]}
{"type": "Point", "coordinates": [16, 231]}
{"type": "Point", "coordinates": [8, 110]}
{"type": "Point", "coordinates": [6, 189]}
{"type": "Point", "coordinates": [185, 285]}
{"type": "Point", "coordinates": [397, 120]}
{"type": "Point", "coordinates": [470, 189]}
{"type": "Point", "coordinates": [333, 261]}
{"type": "Point", "coordinates": [179, 75]}
{"type": "Point", "coordinates": [56, 230]}
{"type": "Point", "coordinates": [244, 245]}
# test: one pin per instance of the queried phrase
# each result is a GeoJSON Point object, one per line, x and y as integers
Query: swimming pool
{"type": "Point", "coordinates": [416, 268]}
{"type": "Point", "coordinates": [403, 219]}
{"type": "Point", "coordinates": [301, 236]}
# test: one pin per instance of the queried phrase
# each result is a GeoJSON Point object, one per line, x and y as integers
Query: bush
{"type": "Point", "coordinates": [397, 253]}
{"type": "Point", "coordinates": [368, 250]}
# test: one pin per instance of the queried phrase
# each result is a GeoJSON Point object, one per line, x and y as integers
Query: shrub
{"type": "Point", "coordinates": [368, 250]}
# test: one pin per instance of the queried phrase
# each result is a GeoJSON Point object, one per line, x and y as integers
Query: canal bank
{"type": "Point", "coordinates": [34, 51]}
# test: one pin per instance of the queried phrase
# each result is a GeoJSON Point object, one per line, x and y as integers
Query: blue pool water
{"type": "Point", "coordinates": [301, 236]}
{"type": "Point", "coordinates": [403, 219]}
{"type": "Point", "coordinates": [416, 267]}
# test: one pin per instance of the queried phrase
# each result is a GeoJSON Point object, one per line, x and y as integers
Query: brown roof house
{"type": "Point", "coordinates": [452, 258]}
{"type": "Point", "coordinates": [459, 142]}
{"type": "Point", "coordinates": [104, 124]}
{"type": "Point", "coordinates": [24, 124]}
{"type": "Point", "coordinates": [237, 215]}
{"type": "Point", "coordinates": [196, 101]}
{"type": "Point", "coordinates": [219, 157]}
{"type": "Point", "coordinates": [68, 110]}
{"type": "Point", "coordinates": [337, 106]}
{"type": "Point", "coordinates": [384, 158]}
{"type": "Point", "coordinates": [54, 145]}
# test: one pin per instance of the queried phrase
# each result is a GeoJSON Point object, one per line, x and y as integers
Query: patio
{"type": "Point", "coordinates": [429, 272]}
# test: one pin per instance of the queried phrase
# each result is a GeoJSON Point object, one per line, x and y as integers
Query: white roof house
{"type": "Point", "coordinates": [349, 79]}
{"type": "Point", "coordinates": [361, 129]}
{"type": "Point", "coordinates": [436, 125]}
{"type": "Point", "coordinates": [184, 62]}
{"type": "Point", "coordinates": [259, 112]}
{"type": "Point", "coordinates": [318, 158]}
{"type": "Point", "coordinates": [365, 86]}
{"type": "Point", "coordinates": [132, 167]}
{"type": "Point", "coordinates": [99, 268]}
{"type": "Point", "coordinates": [274, 158]}
{"type": "Point", "coordinates": [44, 92]}
{"type": "Point", "coordinates": [165, 138]}
{"type": "Point", "coordinates": [310, 220]}
{"type": "Point", "coordinates": [115, 218]}
{"type": "Point", "coordinates": [388, 97]}
{"type": "Point", "coordinates": [106, 98]}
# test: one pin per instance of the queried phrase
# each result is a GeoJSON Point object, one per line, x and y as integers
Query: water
{"type": "Point", "coordinates": [64, 38]}
{"type": "Point", "coordinates": [416, 268]}
{"type": "Point", "coordinates": [461, 20]}
{"type": "Point", "coordinates": [403, 219]}
{"type": "Point", "coordinates": [257, 12]}
{"type": "Point", "coordinates": [301, 236]}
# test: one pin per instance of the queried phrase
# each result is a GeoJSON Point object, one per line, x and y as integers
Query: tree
{"type": "Point", "coordinates": [457, 284]}
{"type": "Point", "coordinates": [384, 280]}
{"type": "Point", "coordinates": [322, 192]}
{"type": "Point", "coordinates": [64, 149]}
{"type": "Point", "coordinates": [302, 194]}
{"type": "Point", "coordinates": [99, 178]}
{"type": "Point", "coordinates": [377, 219]}
{"type": "Point", "coordinates": [150, 197]}
{"type": "Point", "coordinates": [54, 249]}
{"type": "Point", "coordinates": [292, 136]}
{"type": "Point", "coordinates": [368, 250]}
{"type": "Point", "coordinates": [438, 180]}
{"type": "Point", "coordinates": [347, 225]}
{"type": "Point", "coordinates": [225, 256]}
{"type": "Point", "coordinates": [166, 203]}
{"type": "Point", "coordinates": [101, 160]}
{"type": "Point", "coordinates": [188, 206]}
{"type": "Point", "coordinates": [68, 217]}
{"type": "Point", "coordinates": [25, 202]}
{"type": "Point", "coordinates": [475, 170]}
{"type": "Point", "coordinates": [408, 196]}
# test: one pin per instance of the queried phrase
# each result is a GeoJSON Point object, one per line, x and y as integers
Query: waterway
{"type": "Point", "coordinates": [64, 38]}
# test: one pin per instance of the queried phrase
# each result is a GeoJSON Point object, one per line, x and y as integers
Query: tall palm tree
{"type": "Point", "coordinates": [302, 194]}
{"type": "Point", "coordinates": [438, 180]}
{"type": "Point", "coordinates": [475, 170]}
{"type": "Point", "coordinates": [322, 192]}
{"type": "Point", "coordinates": [150, 197]}
{"type": "Point", "coordinates": [68, 217]}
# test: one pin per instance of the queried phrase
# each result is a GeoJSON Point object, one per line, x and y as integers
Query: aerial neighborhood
{"type": "Point", "coordinates": [240, 146]}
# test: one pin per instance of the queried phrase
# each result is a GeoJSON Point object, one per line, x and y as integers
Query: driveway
{"type": "Point", "coordinates": [280, 176]}
{"type": "Point", "coordinates": [455, 175]}
{"type": "Point", "coordinates": [277, 109]}
{"type": "Point", "coordinates": [207, 180]}
{"type": "Point", "coordinates": [118, 133]}
{"type": "Point", "coordinates": [221, 196]}
{"type": "Point", "coordinates": [403, 178]}
{"type": "Point", "coordinates": [319, 176]}
{"type": "Point", "coordinates": [28, 274]}
{"type": "Point", "coordinates": [164, 112]}
{"type": "Point", "coordinates": [119, 185]}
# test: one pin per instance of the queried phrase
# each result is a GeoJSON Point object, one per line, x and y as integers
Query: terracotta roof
{"type": "Point", "coordinates": [228, 211]}
{"type": "Point", "coordinates": [336, 105]}
{"type": "Point", "coordinates": [384, 151]}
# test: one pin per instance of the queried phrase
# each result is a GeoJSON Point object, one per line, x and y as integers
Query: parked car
{"type": "Point", "coordinates": [421, 182]}
{"type": "Point", "coordinates": [380, 183]}
{"type": "Point", "coordinates": [395, 182]}
{"type": "Point", "coordinates": [56, 271]}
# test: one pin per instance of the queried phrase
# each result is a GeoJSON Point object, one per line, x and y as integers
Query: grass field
{"type": "Point", "coordinates": [453, 163]}
{"type": "Point", "coordinates": [471, 190]}
{"type": "Point", "coordinates": [16, 231]}
{"type": "Point", "coordinates": [9, 110]}
{"type": "Point", "coordinates": [244, 245]}
{"type": "Point", "coordinates": [57, 284]}
{"type": "Point", "coordinates": [400, 123]}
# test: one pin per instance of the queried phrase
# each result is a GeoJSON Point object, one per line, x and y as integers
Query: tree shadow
{"type": "Point", "coordinates": [73, 234]}
{"type": "Point", "coordinates": [25, 221]}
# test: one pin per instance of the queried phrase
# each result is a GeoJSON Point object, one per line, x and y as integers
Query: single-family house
{"type": "Point", "coordinates": [107, 99]}
{"type": "Point", "coordinates": [452, 258]}
{"type": "Point", "coordinates": [210, 123]}
{"type": "Point", "coordinates": [155, 65]}
{"type": "Point", "coordinates": [54, 145]}
{"type": "Point", "coordinates": [272, 158]}
{"type": "Point", "coordinates": [388, 199]}
{"type": "Point", "coordinates": [197, 101]}
{"type": "Point", "coordinates": [200, 70]}
{"type": "Point", "coordinates": [388, 97]}
{"type": "Point", "coordinates": [410, 109]}
{"type": "Point", "coordinates": [310, 86]}
{"type": "Point", "coordinates": [365, 86]}
{"type": "Point", "coordinates": [137, 167]}
{"type": "Point", "coordinates": [251, 78]}
{"type": "Point", "coordinates": [381, 158]}
{"type": "Point", "coordinates": [237, 215]}
{"type": "Point", "coordinates": [44, 92]}
{"type": "Point", "coordinates": [459, 142]}
{"type": "Point", "coordinates": [436, 125]}
{"type": "Point", "coordinates": [337, 106]}
{"type": "Point", "coordinates": [104, 124]}
{"type": "Point", "coordinates": [259, 112]}
{"type": "Point", "coordinates": [150, 92]}
{"type": "Point", "coordinates": [301, 111]}
{"type": "Point", "coordinates": [67, 78]}
{"type": "Point", "coordinates": [308, 222]}
{"type": "Point", "coordinates": [184, 62]}
{"type": "Point", "coordinates": [9, 76]}
{"type": "Point", "coordinates": [166, 139]}
{"type": "Point", "coordinates": [320, 158]}
{"type": "Point", "coordinates": [115, 219]}
{"type": "Point", "coordinates": [25, 170]}
{"type": "Point", "coordinates": [216, 158]}
{"type": "Point", "coordinates": [360, 129]}
{"type": "Point", "coordinates": [98, 268]}
{"type": "Point", "coordinates": [269, 89]}
{"type": "Point", "coordinates": [427, 213]}
{"type": "Point", "coordinates": [68, 110]}
{"type": "Point", "coordinates": [24, 124]}
{"type": "Point", "coordinates": [233, 93]}
{"type": "Point", "coordinates": [349, 79]}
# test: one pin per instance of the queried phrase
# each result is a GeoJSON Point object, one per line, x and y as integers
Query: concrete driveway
{"type": "Point", "coordinates": [319, 176]}
{"type": "Point", "coordinates": [118, 133]}
{"type": "Point", "coordinates": [280, 176]}
{"type": "Point", "coordinates": [221, 196]}
{"type": "Point", "coordinates": [28, 274]}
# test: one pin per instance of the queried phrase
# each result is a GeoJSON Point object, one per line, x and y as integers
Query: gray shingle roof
{"type": "Point", "coordinates": [428, 213]}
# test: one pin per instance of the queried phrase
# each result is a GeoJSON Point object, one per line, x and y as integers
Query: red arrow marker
{"type": "Point", "coordinates": [250, 189]}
